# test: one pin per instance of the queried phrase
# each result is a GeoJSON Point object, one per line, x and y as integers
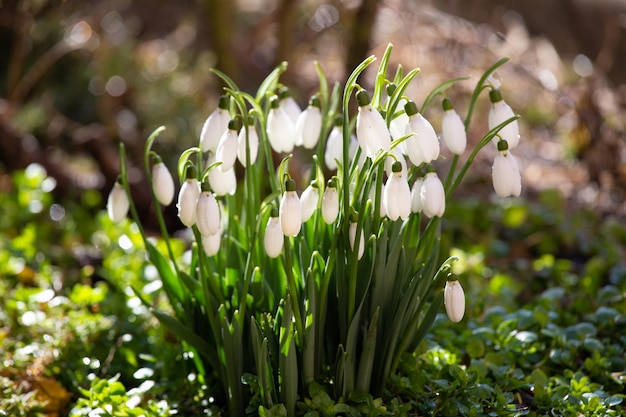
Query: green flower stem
{"type": "Point", "coordinates": [451, 171]}
{"type": "Point", "coordinates": [381, 77]}
{"type": "Point", "coordinates": [439, 90]}
{"type": "Point", "coordinates": [293, 292]}
{"type": "Point", "coordinates": [479, 88]}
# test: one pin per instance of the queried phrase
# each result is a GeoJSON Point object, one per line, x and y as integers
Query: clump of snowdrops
{"type": "Point", "coordinates": [325, 281]}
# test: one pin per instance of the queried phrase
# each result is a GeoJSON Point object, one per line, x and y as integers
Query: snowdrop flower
{"type": "Point", "coordinates": [454, 300]}
{"type": "Point", "coordinates": [310, 199]}
{"type": "Point", "coordinates": [423, 145]}
{"type": "Point", "coordinates": [188, 197]}
{"type": "Point", "coordinates": [222, 182]}
{"type": "Point", "coordinates": [432, 194]}
{"type": "Point", "coordinates": [117, 202]}
{"type": "Point", "coordinates": [280, 128]}
{"type": "Point", "coordinates": [507, 180]}
{"type": "Point", "coordinates": [371, 130]}
{"type": "Point", "coordinates": [330, 202]}
{"type": "Point", "coordinates": [274, 238]}
{"type": "Point", "coordinates": [416, 195]}
{"type": "Point", "coordinates": [500, 112]}
{"type": "Point", "coordinates": [334, 144]}
{"type": "Point", "coordinates": [352, 235]}
{"type": "Point", "coordinates": [397, 194]}
{"type": "Point", "coordinates": [309, 124]}
{"type": "Point", "coordinates": [211, 244]}
{"type": "Point", "coordinates": [453, 129]}
{"type": "Point", "coordinates": [207, 212]}
{"type": "Point", "coordinates": [390, 160]}
{"type": "Point", "coordinates": [215, 125]}
{"type": "Point", "coordinates": [252, 142]}
{"type": "Point", "coordinates": [288, 104]}
{"type": "Point", "coordinates": [290, 210]}
{"type": "Point", "coordinates": [162, 181]}
{"type": "Point", "coordinates": [227, 147]}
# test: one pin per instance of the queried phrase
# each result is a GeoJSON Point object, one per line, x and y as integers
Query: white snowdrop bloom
{"type": "Point", "coordinates": [222, 182]}
{"type": "Point", "coordinates": [253, 142]}
{"type": "Point", "coordinates": [211, 244]}
{"type": "Point", "coordinates": [188, 198]}
{"type": "Point", "coordinates": [162, 182]}
{"type": "Point", "coordinates": [507, 180]}
{"type": "Point", "coordinates": [432, 195]}
{"type": "Point", "coordinates": [207, 212]}
{"type": "Point", "coordinates": [390, 160]}
{"type": "Point", "coordinates": [227, 146]}
{"type": "Point", "coordinates": [309, 200]}
{"type": "Point", "coordinates": [454, 300]}
{"type": "Point", "coordinates": [289, 104]}
{"type": "Point", "coordinates": [499, 113]}
{"type": "Point", "coordinates": [416, 195]}
{"type": "Point", "coordinates": [330, 202]}
{"type": "Point", "coordinates": [274, 238]}
{"type": "Point", "coordinates": [397, 194]}
{"type": "Point", "coordinates": [309, 125]}
{"type": "Point", "coordinates": [117, 203]}
{"type": "Point", "coordinates": [423, 145]}
{"type": "Point", "coordinates": [290, 210]}
{"type": "Point", "coordinates": [371, 130]}
{"type": "Point", "coordinates": [280, 128]}
{"type": "Point", "coordinates": [453, 129]}
{"type": "Point", "coordinates": [334, 144]}
{"type": "Point", "coordinates": [352, 236]}
{"type": "Point", "coordinates": [215, 125]}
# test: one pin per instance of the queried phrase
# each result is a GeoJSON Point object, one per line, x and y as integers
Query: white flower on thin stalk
{"type": "Point", "coordinates": [397, 157]}
{"type": "Point", "coordinates": [274, 238]}
{"type": "Point", "coordinates": [397, 194]}
{"type": "Point", "coordinates": [309, 124]}
{"type": "Point", "coordinates": [330, 202]}
{"type": "Point", "coordinates": [222, 183]}
{"type": "Point", "coordinates": [290, 210]}
{"type": "Point", "coordinates": [454, 300]}
{"type": "Point", "coordinates": [117, 202]}
{"type": "Point", "coordinates": [215, 125]}
{"type": "Point", "coordinates": [252, 142]}
{"type": "Point", "coordinates": [432, 195]}
{"type": "Point", "coordinates": [207, 212]}
{"type": "Point", "coordinates": [227, 147]}
{"type": "Point", "coordinates": [334, 144]}
{"type": "Point", "coordinates": [289, 104]}
{"type": "Point", "coordinates": [310, 200]}
{"type": "Point", "coordinates": [188, 197]}
{"type": "Point", "coordinates": [422, 145]}
{"type": "Point", "coordinates": [453, 129]}
{"type": "Point", "coordinates": [162, 181]}
{"type": "Point", "coordinates": [211, 244]}
{"type": "Point", "coordinates": [507, 180]}
{"type": "Point", "coordinates": [499, 113]}
{"type": "Point", "coordinates": [280, 128]}
{"type": "Point", "coordinates": [352, 235]}
{"type": "Point", "coordinates": [371, 130]}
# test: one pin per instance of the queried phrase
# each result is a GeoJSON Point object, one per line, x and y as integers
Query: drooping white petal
{"type": "Point", "coordinates": [371, 131]}
{"type": "Point", "coordinates": [352, 235]}
{"type": "Point", "coordinates": [211, 244]}
{"type": "Point", "coordinates": [187, 201]}
{"type": "Point", "coordinates": [207, 214]}
{"type": "Point", "coordinates": [389, 161]}
{"type": "Point", "coordinates": [454, 300]}
{"type": "Point", "coordinates": [290, 107]}
{"type": "Point", "coordinates": [334, 148]}
{"type": "Point", "coordinates": [222, 183]}
{"type": "Point", "coordinates": [117, 203]}
{"type": "Point", "coordinates": [499, 112]}
{"type": "Point", "coordinates": [227, 150]}
{"type": "Point", "coordinates": [453, 132]}
{"type": "Point", "coordinates": [330, 205]}
{"type": "Point", "coordinates": [163, 183]}
{"type": "Point", "coordinates": [214, 126]}
{"type": "Point", "coordinates": [398, 125]}
{"type": "Point", "coordinates": [274, 238]}
{"type": "Point", "coordinates": [308, 127]}
{"type": "Point", "coordinates": [416, 197]}
{"type": "Point", "coordinates": [309, 200]}
{"type": "Point", "coordinates": [253, 145]}
{"type": "Point", "coordinates": [433, 196]}
{"type": "Point", "coordinates": [507, 180]}
{"type": "Point", "coordinates": [280, 130]}
{"type": "Point", "coordinates": [423, 145]}
{"type": "Point", "coordinates": [290, 213]}
{"type": "Point", "coordinates": [397, 197]}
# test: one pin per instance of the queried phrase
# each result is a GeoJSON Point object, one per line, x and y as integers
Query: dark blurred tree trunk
{"type": "Point", "coordinates": [360, 35]}
{"type": "Point", "coordinates": [286, 18]}
{"type": "Point", "coordinates": [220, 22]}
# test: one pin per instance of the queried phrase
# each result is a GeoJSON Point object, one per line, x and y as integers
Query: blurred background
{"type": "Point", "coordinates": [77, 77]}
